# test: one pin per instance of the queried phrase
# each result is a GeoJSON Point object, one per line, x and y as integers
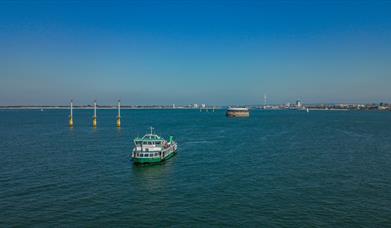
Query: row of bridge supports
{"type": "Point", "coordinates": [94, 117]}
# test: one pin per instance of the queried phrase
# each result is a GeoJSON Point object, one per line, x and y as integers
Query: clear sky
{"type": "Point", "coordinates": [214, 52]}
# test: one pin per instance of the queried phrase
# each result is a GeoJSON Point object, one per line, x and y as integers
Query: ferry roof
{"type": "Point", "coordinates": [149, 137]}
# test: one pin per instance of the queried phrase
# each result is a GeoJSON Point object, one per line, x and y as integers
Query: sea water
{"type": "Point", "coordinates": [276, 168]}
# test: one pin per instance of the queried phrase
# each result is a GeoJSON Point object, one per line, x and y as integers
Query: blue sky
{"type": "Point", "coordinates": [215, 52]}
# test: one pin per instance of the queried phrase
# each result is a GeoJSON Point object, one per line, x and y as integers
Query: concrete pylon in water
{"type": "Point", "coordinates": [119, 114]}
{"type": "Point", "coordinates": [94, 117]}
{"type": "Point", "coordinates": [71, 115]}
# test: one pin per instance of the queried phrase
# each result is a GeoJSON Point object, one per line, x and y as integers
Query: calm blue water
{"type": "Point", "coordinates": [277, 168]}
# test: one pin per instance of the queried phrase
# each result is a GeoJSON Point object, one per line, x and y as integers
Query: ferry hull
{"type": "Point", "coordinates": [152, 160]}
{"type": "Point", "coordinates": [146, 160]}
{"type": "Point", "coordinates": [237, 114]}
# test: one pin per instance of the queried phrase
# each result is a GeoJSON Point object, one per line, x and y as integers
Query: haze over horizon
{"type": "Point", "coordinates": [183, 52]}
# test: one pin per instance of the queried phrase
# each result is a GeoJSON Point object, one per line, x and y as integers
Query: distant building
{"type": "Point", "coordinates": [195, 105]}
{"type": "Point", "coordinates": [203, 105]}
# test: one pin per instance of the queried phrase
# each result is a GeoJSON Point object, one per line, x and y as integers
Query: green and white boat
{"type": "Point", "coordinates": [152, 148]}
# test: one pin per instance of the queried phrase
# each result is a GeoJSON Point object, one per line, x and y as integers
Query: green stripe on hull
{"type": "Point", "coordinates": [153, 160]}
{"type": "Point", "coordinates": [169, 156]}
{"type": "Point", "coordinates": [146, 160]}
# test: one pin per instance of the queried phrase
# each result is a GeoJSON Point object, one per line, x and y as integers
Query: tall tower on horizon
{"type": "Point", "coordinates": [264, 99]}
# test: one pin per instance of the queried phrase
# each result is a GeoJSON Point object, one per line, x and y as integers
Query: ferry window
{"type": "Point", "coordinates": [144, 143]}
{"type": "Point", "coordinates": [141, 155]}
{"type": "Point", "coordinates": [155, 154]}
{"type": "Point", "coordinates": [157, 143]}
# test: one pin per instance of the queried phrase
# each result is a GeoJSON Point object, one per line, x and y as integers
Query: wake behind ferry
{"type": "Point", "coordinates": [152, 148]}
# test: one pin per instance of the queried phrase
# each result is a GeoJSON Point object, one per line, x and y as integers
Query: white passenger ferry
{"type": "Point", "coordinates": [152, 148]}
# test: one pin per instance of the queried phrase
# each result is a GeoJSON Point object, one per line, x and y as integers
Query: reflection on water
{"type": "Point", "coordinates": [153, 176]}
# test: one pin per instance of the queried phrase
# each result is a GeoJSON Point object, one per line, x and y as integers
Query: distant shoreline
{"type": "Point", "coordinates": [360, 107]}
{"type": "Point", "coordinates": [98, 107]}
